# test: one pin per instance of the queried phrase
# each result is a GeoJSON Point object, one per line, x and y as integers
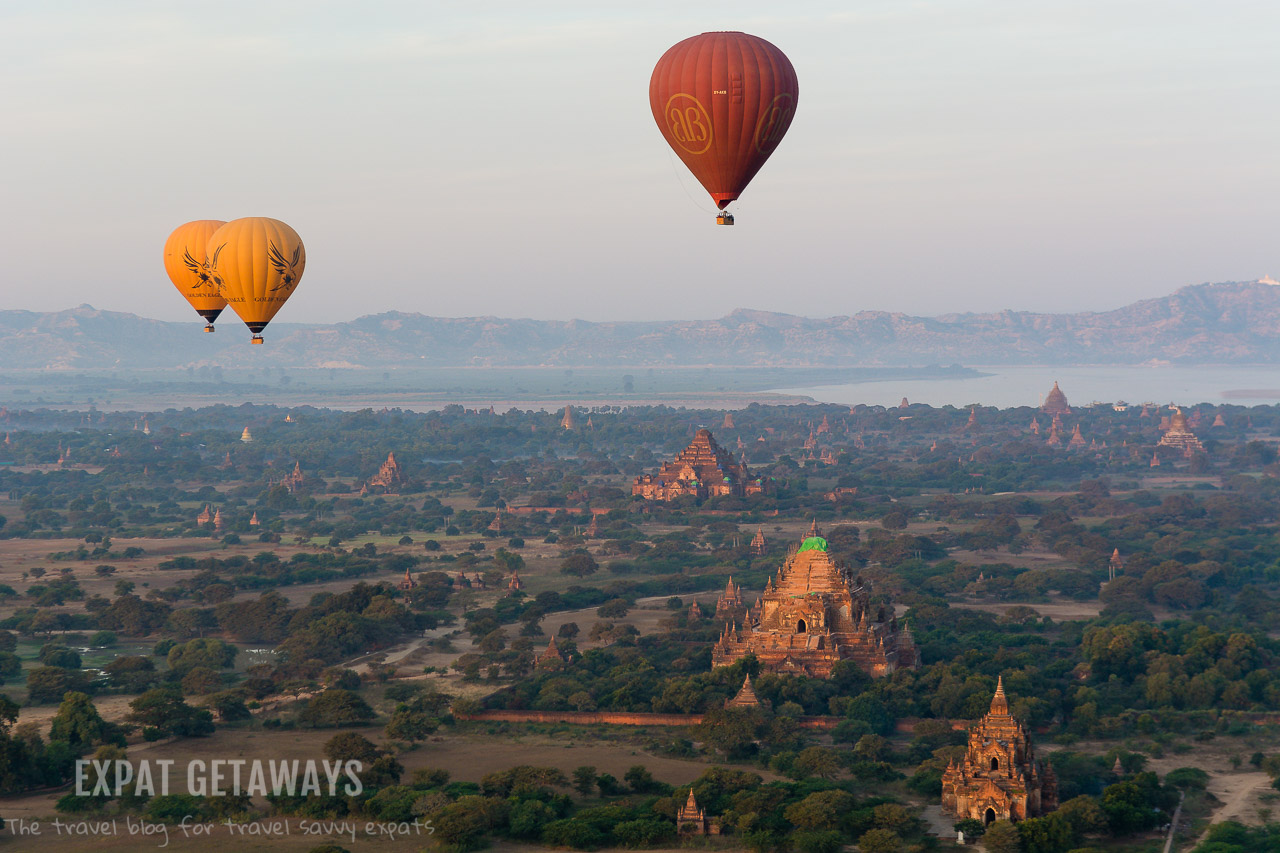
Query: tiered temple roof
{"type": "Point", "coordinates": [745, 698]}
{"type": "Point", "coordinates": [1077, 440]}
{"type": "Point", "coordinates": [703, 469]}
{"type": "Point", "coordinates": [812, 615]}
{"type": "Point", "coordinates": [1055, 403]}
{"type": "Point", "coordinates": [999, 778]}
{"type": "Point", "coordinates": [1180, 436]}
{"type": "Point", "coordinates": [758, 542]}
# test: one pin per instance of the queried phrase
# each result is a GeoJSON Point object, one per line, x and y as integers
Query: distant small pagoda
{"type": "Point", "coordinates": [388, 476]}
{"type": "Point", "coordinates": [568, 421]}
{"type": "Point", "coordinates": [758, 542]}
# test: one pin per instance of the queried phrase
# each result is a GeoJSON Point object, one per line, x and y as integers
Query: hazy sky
{"type": "Point", "coordinates": [461, 158]}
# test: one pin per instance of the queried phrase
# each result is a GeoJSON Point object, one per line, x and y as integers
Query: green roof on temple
{"type": "Point", "coordinates": [813, 543]}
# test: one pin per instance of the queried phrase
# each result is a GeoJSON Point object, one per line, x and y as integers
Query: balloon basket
{"type": "Point", "coordinates": [209, 330]}
{"type": "Point", "coordinates": [256, 339]}
{"type": "Point", "coordinates": [724, 219]}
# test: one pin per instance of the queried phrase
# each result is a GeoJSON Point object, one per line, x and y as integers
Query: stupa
{"type": "Point", "coordinates": [388, 476]}
{"type": "Point", "coordinates": [1180, 436]}
{"type": "Point", "coordinates": [1055, 403]}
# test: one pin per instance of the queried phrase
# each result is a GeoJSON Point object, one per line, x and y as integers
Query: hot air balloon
{"type": "Point", "coordinates": [723, 102]}
{"type": "Point", "coordinates": [256, 263]}
{"type": "Point", "coordinates": [188, 267]}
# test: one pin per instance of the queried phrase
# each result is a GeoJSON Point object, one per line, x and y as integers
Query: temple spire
{"type": "Point", "coordinates": [999, 703]}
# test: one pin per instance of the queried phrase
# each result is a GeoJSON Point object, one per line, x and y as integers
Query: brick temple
{"type": "Point", "coordinates": [1055, 403]}
{"type": "Point", "coordinates": [702, 470]}
{"type": "Point", "coordinates": [1180, 436]}
{"type": "Point", "coordinates": [999, 777]}
{"type": "Point", "coordinates": [812, 615]}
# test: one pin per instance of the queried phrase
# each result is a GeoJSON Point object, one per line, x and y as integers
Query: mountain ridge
{"type": "Point", "coordinates": [1222, 323]}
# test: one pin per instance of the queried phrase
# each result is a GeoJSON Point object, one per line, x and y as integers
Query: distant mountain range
{"type": "Point", "coordinates": [1232, 322]}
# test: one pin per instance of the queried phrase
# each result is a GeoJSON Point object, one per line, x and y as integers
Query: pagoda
{"type": "Point", "coordinates": [1115, 565]}
{"type": "Point", "coordinates": [1056, 402]}
{"type": "Point", "coordinates": [515, 584]}
{"type": "Point", "coordinates": [728, 421]}
{"type": "Point", "coordinates": [746, 696]}
{"type": "Point", "coordinates": [904, 404]}
{"type": "Point", "coordinates": [567, 422]}
{"type": "Point", "coordinates": [204, 517]}
{"type": "Point", "coordinates": [246, 436]}
{"type": "Point", "coordinates": [1077, 440]}
{"type": "Point", "coordinates": [1035, 426]}
{"type": "Point", "coordinates": [253, 520]}
{"type": "Point", "coordinates": [1055, 440]}
{"type": "Point", "coordinates": [812, 615]}
{"type": "Point", "coordinates": [388, 476]}
{"type": "Point", "coordinates": [825, 426]}
{"type": "Point", "coordinates": [551, 657]}
{"type": "Point", "coordinates": [730, 606]}
{"type": "Point", "coordinates": [218, 523]}
{"type": "Point", "coordinates": [1218, 420]}
{"type": "Point", "coordinates": [1179, 436]}
{"type": "Point", "coordinates": [495, 526]}
{"type": "Point", "coordinates": [758, 543]}
{"type": "Point", "coordinates": [692, 820]}
{"type": "Point", "coordinates": [702, 470]}
{"type": "Point", "coordinates": [973, 419]}
{"type": "Point", "coordinates": [999, 778]}
{"type": "Point", "coordinates": [295, 480]}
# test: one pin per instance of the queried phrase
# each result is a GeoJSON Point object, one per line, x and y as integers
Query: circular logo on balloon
{"type": "Point", "coordinates": [688, 123]}
{"type": "Point", "coordinates": [774, 122]}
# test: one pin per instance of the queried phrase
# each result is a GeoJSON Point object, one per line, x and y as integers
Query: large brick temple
{"type": "Point", "coordinates": [999, 778]}
{"type": "Point", "coordinates": [814, 614]}
{"type": "Point", "coordinates": [702, 470]}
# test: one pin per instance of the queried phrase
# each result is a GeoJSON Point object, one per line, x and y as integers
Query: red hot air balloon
{"type": "Point", "coordinates": [723, 102]}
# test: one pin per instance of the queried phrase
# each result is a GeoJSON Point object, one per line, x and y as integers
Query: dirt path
{"type": "Point", "coordinates": [1239, 795]}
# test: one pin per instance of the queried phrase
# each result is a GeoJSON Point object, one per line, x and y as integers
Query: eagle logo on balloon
{"type": "Point", "coordinates": [286, 268]}
{"type": "Point", "coordinates": [199, 269]}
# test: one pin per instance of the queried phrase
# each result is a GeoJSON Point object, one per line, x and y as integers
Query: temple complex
{"type": "Point", "coordinates": [1179, 436]}
{"type": "Point", "coordinates": [702, 470]}
{"type": "Point", "coordinates": [999, 777]}
{"type": "Point", "coordinates": [758, 542]}
{"type": "Point", "coordinates": [812, 615]}
{"type": "Point", "coordinates": [1056, 402]}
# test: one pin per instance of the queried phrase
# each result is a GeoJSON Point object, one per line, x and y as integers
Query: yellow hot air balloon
{"type": "Point", "coordinates": [188, 267]}
{"type": "Point", "coordinates": [256, 263]}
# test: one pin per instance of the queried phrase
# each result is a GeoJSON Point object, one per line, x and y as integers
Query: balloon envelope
{"type": "Point", "coordinates": [723, 102]}
{"type": "Point", "coordinates": [187, 264]}
{"type": "Point", "coordinates": [256, 263]}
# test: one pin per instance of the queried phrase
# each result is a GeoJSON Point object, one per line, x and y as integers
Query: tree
{"type": "Point", "coordinates": [201, 652]}
{"type": "Point", "coordinates": [579, 563]}
{"type": "Point", "coordinates": [418, 718]}
{"type": "Point", "coordinates": [584, 780]}
{"type": "Point", "coordinates": [49, 683]}
{"type": "Point", "coordinates": [350, 746]}
{"type": "Point", "coordinates": [818, 761]}
{"type": "Point", "coordinates": [881, 841]}
{"type": "Point", "coordinates": [335, 707]}
{"type": "Point", "coordinates": [78, 723]}
{"type": "Point", "coordinates": [820, 811]}
{"type": "Point", "coordinates": [1002, 837]}
{"type": "Point", "coordinates": [56, 654]}
{"type": "Point", "coordinates": [732, 731]}
{"type": "Point", "coordinates": [131, 673]}
{"type": "Point", "coordinates": [162, 711]}
{"type": "Point", "coordinates": [1050, 834]}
